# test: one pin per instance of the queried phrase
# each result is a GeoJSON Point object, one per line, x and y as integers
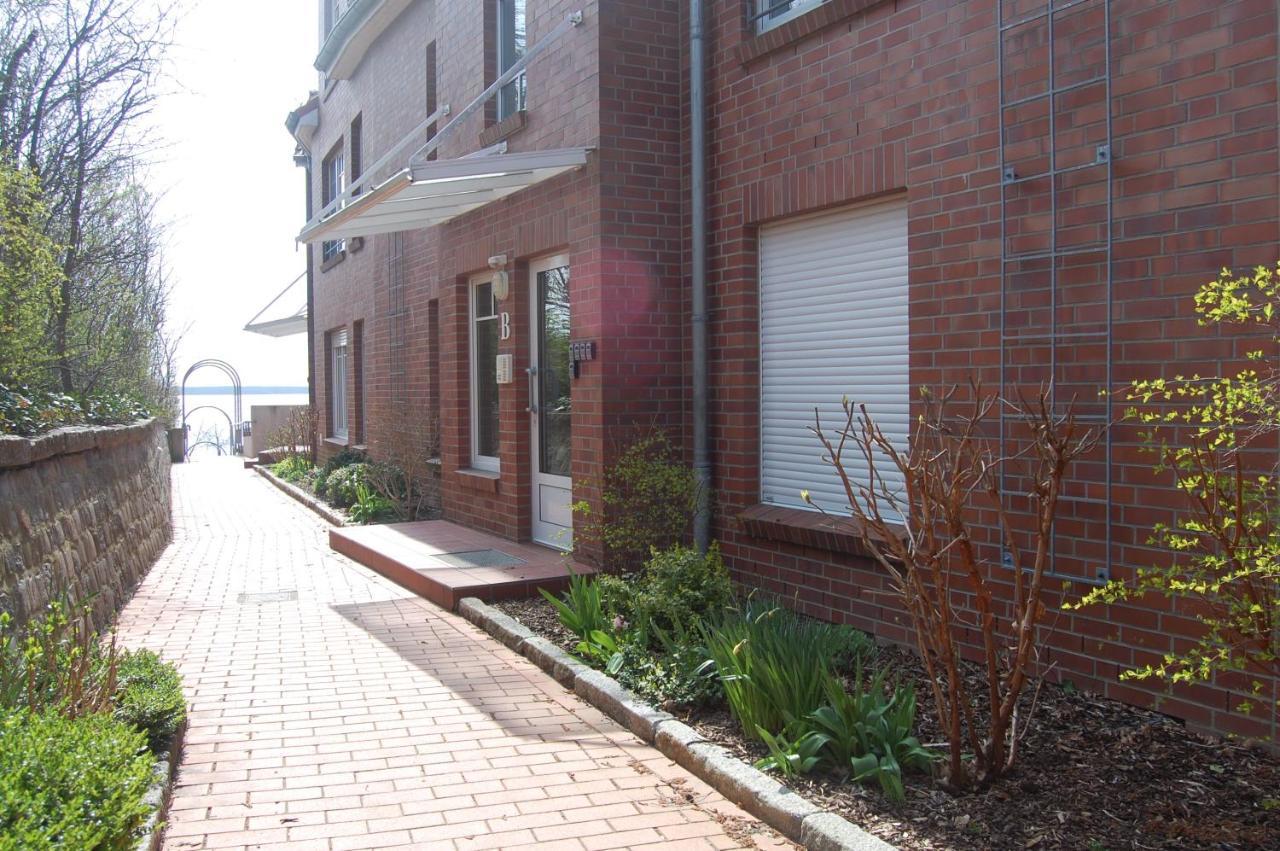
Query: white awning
{"type": "Point", "coordinates": [284, 315]}
{"type": "Point", "coordinates": [435, 192]}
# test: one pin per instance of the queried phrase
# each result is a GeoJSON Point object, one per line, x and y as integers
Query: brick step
{"type": "Point", "coordinates": [444, 562]}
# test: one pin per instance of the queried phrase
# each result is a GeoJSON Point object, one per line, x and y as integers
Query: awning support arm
{"type": "Point", "coordinates": [570, 22]}
{"type": "Point", "coordinates": [279, 295]}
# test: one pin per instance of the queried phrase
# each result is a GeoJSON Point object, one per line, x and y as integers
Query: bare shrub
{"type": "Point", "coordinates": [928, 538]}
{"type": "Point", "coordinates": [297, 436]}
{"type": "Point", "coordinates": [407, 471]}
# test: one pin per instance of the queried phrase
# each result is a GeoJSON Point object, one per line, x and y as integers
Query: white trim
{"type": "Point", "coordinates": [798, 8]}
{"type": "Point", "coordinates": [544, 532]}
{"type": "Point", "coordinates": [338, 341]}
{"type": "Point", "coordinates": [489, 463]}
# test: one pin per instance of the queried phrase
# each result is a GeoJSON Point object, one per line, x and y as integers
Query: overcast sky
{"type": "Point", "coordinates": [232, 197]}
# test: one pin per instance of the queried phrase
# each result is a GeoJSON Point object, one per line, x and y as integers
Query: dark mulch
{"type": "Point", "coordinates": [1092, 774]}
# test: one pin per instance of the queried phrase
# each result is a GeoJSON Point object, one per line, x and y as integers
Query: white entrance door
{"type": "Point", "coordinates": [550, 407]}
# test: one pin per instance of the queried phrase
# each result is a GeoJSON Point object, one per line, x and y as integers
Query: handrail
{"type": "Point", "coordinates": [570, 22]}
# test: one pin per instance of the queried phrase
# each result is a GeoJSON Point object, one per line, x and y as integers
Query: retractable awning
{"type": "Point", "coordinates": [284, 315]}
{"type": "Point", "coordinates": [435, 192]}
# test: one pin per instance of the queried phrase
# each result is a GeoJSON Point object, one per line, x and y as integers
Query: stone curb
{"type": "Point", "coordinates": [18, 451]}
{"type": "Point", "coordinates": [756, 792]}
{"type": "Point", "coordinates": [331, 515]}
{"type": "Point", "coordinates": [160, 793]}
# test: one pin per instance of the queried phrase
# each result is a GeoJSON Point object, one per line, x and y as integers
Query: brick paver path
{"type": "Point", "coordinates": [331, 709]}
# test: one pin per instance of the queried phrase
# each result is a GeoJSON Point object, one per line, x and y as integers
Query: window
{"type": "Point", "coordinates": [510, 49]}
{"type": "Point", "coordinates": [357, 362]}
{"type": "Point", "coordinates": [333, 181]}
{"type": "Point", "coordinates": [771, 13]}
{"type": "Point", "coordinates": [833, 323]}
{"type": "Point", "coordinates": [433, 76]}
{"type": "Point", "coordinates": [338, 384]}
{"type": "Point", "coordinates": [357, 148]}
{"type": "Point", "coordinates": [484, 376]}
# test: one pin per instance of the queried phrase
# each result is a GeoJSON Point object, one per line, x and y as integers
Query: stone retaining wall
{"type": "Point", "coordinates": [83, 512]}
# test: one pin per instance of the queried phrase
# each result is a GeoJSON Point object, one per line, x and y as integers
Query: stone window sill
{"type": "Point", "coordinates": [336, 441]}
{"type": "Point", "coordinates": [819, 18]}
{"type": "Point", "coordinates": [326, 265]}
{"type": "Point", "coordinates": [480, 480]}
{"type": "Point", "coordinates": [504, 129]}
{"type": "Point", "coordinates": [804, 528]}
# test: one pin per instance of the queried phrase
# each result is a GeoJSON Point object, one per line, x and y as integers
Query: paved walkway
{"type": "Point", "coordinates": [333, 710]}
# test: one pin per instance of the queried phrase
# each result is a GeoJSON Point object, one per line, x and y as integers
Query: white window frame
{"type": "Point", "coordinates": [786, 10]}
{"type": "Point", "coordinates": [339, 352]}
{"type": "Point", "coordinates": [332, 186]}
{"type": "Point", "coordinates": [490, 463]}
{"type": "Point", "coordinates": [505, 43]}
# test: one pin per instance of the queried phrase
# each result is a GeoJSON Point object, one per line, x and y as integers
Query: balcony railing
{"type": "Point", "coordinates": [350, 27]}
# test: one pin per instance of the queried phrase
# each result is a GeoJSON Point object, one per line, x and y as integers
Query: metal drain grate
{"type": "Point", "coordinates": [267, 597]}
{"type": "Point", "coordinates": [479, 558]}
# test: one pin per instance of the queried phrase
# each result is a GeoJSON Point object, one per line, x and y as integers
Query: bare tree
{"type": "Point", "coordinates": [76, 78]}
{"type": "Point", "coordinates": [927, 536]}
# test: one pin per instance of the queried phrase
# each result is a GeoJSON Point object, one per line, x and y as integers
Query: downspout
{"type": "Point", "coordinates": [305, 162]}
{"type": "Point", "coordinates": [698, 212]}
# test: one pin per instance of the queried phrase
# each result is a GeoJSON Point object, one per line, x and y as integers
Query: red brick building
{"type": "Point", "coordinates": [900, 193]}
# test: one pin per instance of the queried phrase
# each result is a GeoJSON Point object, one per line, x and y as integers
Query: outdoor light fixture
{"type": "Point", "coordinates": [501, 281]}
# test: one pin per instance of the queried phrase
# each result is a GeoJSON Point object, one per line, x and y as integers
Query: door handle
{"type": "Point", "coordinates": [532, 372]}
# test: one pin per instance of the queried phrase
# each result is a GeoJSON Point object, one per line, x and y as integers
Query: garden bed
{"type": "Point", "coordinates": [1092, 774]}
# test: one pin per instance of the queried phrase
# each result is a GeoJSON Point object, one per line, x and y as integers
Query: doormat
{"type": "Point", "coordinates": [478, 558]}
{"type": "Point", "coordinates": [267, 597]}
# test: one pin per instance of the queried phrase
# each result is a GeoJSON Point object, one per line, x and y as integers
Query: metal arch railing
{"type": "Point", "coordinates": [236, 394]}
{"type": "Point", "coordinates": [231, 427]}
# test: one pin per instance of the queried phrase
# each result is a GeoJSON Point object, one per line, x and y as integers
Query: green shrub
{"type": "Point", "coordinates": [340, 490]}
{"type": "Point", "coordinates": [773, 665]}
{"type": "Point", "coordinates": [71, 783]}
{"type": "Point", "coordinates": [672, 677]}
{"type": "Point", "coordinates": [345, 458]}
{"type": "Point", "coordinates": [679, 586]}
{"type": "Point", "coordinates": [650, 497]}
{"type": "Point", "coordinates": [149, 697]}
{"type": "Point", "coordinates": [29, 411]}
{"type": "Point", "coordinates": [370, 507]}
{"type": "Point", "coordinates": [293, 469]}
{"type": "Point", "coordinates": [57, 663]}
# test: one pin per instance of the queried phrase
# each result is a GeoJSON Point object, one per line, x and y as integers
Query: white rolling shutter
{"type": "Point", "coordinates": [833, 323]}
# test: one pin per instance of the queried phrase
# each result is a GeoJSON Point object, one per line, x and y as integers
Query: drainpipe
{"type": "Point", "coordinates": [698, 211]}
{"type": "Point", "coordinates": [305, 162]}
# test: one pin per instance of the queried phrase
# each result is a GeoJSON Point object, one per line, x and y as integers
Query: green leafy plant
{"type": "Point", "coordinates": [871, 735]}
{"type": "Point", "coordinates": [788, 757]}
{"type": "Point", "coordinates": [681, 586]}
{"type": "Point", "coordinates": [602, 650]}
{"type": "Point", "coordinates": [57, 663]}
{"type": "Point", "coordinates": [1213, 436]}
{"type": "Point", "coordinates": [772, 663]}
{"type": "Point", "coordinates": [149, 697]}
{"type": "Point", "coordinates": [294, 468]}
{"type": "Point", "coordinates": [71, 782]}
{"type": "Point", "coordinates": [370, 507]}
{"type": "Point", "coordinates": [580, 610]}
{"type": "Point", "coordinates": [649, 497]}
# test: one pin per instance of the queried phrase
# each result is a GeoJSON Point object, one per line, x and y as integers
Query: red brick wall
{"type": "Point", "coordinates": [896, 96]}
